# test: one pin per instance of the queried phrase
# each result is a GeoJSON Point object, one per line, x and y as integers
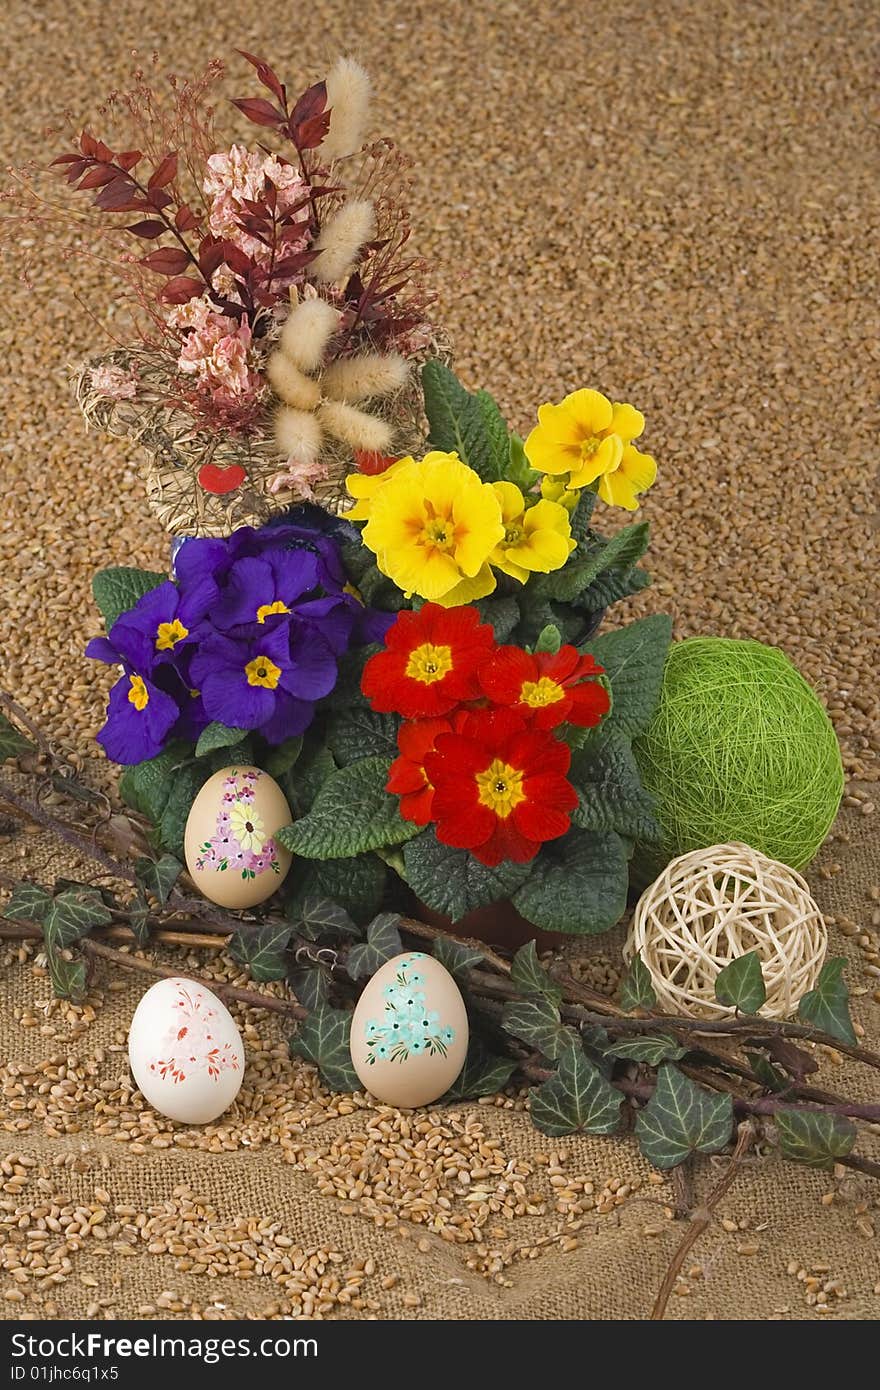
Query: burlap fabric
{"type": "Point", "coordinates": [255, 1218]}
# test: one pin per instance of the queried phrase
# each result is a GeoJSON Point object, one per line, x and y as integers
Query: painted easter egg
{"type": "Point", "coordinates": [230, 849]}
{"type": "Point", "coordinates": [409, 1031]}
{"type": "Point", "coordinates": [185, 1051]}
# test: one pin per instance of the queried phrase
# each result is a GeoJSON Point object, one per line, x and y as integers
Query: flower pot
{"type": "Point", "coordinates": [498, 924]}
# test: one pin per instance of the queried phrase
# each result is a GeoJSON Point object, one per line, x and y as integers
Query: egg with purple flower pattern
{"type": "Point", "coordinates": [409, 1031]}
{"type": "Point", "coordinates": [230, 844]}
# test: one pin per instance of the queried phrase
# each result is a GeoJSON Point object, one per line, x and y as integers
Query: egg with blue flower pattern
{"type": "Point", "coordinates": [409, 1031]}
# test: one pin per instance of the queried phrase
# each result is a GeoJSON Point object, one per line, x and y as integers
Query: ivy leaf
{"type": "Point", "coordinates": [12, 743]}
{"type": "Point", "coordinates": [529, 975]}
{"type": "Point", "coordinates": [827, 1006]}
{"type": "Point", "coordinates": [483, 1074]}
{"type": "Point", "coordinates": [465, 423]}
{"type": "Point", "coordinates": [383, 943]}
{"type": "Point", "coordinates": [352, 813]}
{"type": "Point", "coordinates": [73, 914]}
{"type": "Point", "coordinates": [457, 958]}
{"type": "Point", "coordinates": [577, 884]}
{"type": "Point", "coordinates": [814, 1137]}
{"type": "Point", "coordinates": [28, 902]}
{"type": "Point", "coordinates": [535, 1021]}
{"type": "Point", "coordinates": [311, 985]}
{"type": "Point", "coordinates": [637, 989]}
{"type": "Point", "coordinates": [577, 1100]}
{"type": "Point", "coordinates": [218, 736]}
{"type": "Point", "coordinates": [324, 1038]}
{"type": "Point", "coordinates": [283, 756]}
{"type": "Point", "coordinates": [622, 549]}
{"type": "Point", "coordinates": [319, 917]}
{"type": "Point", "coordinates": [355, 885]}
{"type": "Point", "coordinates": [769, 1076]}
{"type": "Point", "coordinates": [119, 588]}
{"type": "Point", "coordinates": [653, 1049]}
{"type": "Point", "coordinates": [261, 948]}
{"type": "Point", "coordinates": [139, 919]}
{"type": "Point", "coordinates": [606, 777]}
{"type": "Point", "coordinates": [633, 658]}
{"type": "Point", "coordinates": [68, 976]}
{"type": "Point", "coordinates": [682, 1118]}
{"type": "Point", "coordinates": [453, 882]}
{"type": "Point", "coordinates": [740, 985]}
{"type": "Point", "coordinates": [359, 733]}
{"type": "Point", "coordinates": [158, 876]}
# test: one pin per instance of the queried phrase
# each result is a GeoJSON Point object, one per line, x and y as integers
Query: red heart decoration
{"type": "Point", "coordinates": [213, 478]}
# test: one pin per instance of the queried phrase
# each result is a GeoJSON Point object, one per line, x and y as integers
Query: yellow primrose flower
{"type": "Point", "coordinates": [557, 490]}
{"type": "Point", "coordinates": [536, 539]}
{"type": "Point", "coordinates": [432, 527]}
{"type": "Point", "coordinates": [583, 436]}
{"type": "Point", "coordinates": [364, 486]}
{"type": "Point", "coordinates": [634, 474]}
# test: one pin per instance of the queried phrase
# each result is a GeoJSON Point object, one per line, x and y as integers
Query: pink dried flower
{"type": "Point", "coordinates": [114, 382]}
{"type": "Point", "coordinates": [299, 477]}
{"type": "Point", "coordinates": [215, 352]}
{"type": "Point", "coordinates": [239, 175]}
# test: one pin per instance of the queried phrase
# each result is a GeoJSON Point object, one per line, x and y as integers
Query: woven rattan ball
{"type": "Point", "coordinates": [713, 905]}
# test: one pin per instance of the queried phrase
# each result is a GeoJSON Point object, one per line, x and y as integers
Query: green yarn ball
{"type": "Point", "coordinates": [740, 748]}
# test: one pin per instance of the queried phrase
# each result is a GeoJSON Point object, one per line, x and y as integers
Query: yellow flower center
{"type": "Point", "coordinates": [267, 609]}
{"type": "Point", "coordinates": [537, 694]}
{"type": "Point", "coordinates": [513, 535]}
{"type": "Point", "coordinates": [262, 671]}
{"type": "Point", "coordinates": [500, 788]}
{"type": "Point", "coordinates": [138, 695]}
{"type": "Point", "coordinates": [428, 663]}
{"type": "Point", "coordinates": [169, 634]}
{"type": "Point", "coordinates": [440, 533]}
{"type": "Point", "coordinates": [194, 694]}
{"type": "Point", "coordinates": [589, 447]}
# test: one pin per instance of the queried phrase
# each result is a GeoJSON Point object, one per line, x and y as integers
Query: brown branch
{"type": "Point", "coordinates": [701, 1219]}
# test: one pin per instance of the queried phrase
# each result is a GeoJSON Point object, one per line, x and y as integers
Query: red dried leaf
{"type": "Point", "coordinates": [260, 111]}
{"type": "Point", "coordinates": [309, 134]}
{"type": "Point", "coordinates": [236, 259]}
{"type": "Point", "coordinates": [296, 262]}
{"type": "Point", "coordinates": [104, 152]}
{"type": "Point", "coordinates": [266, 76]}
{"type": "Point", "coordinates": [167, 260]}
{"type": "Point", "coordinates": [164, 173]}
{"type": "Point", "coordinates": [88, 144]}
{"type": "Point", "coordinates": [98, 175]}
{"type": "Point", "coordinates": [129, 158]}
{"type": "Point", "coordinates": [185, 219]}
{"type": "Point", "coordinates": [312, 103]}
{"type": "Point", "coordinates": [148, 229]}
{"type": "Point", "coordinates": [159, 199]}
{"type": "Point", "coordinates": [66, 159]}
{"type": "Point", "coordinates": [74, 170]}
{"type": "Point", "coordinates": [181, 289]}
{"type": "Point", "coordinates": [211, 255]}
{"type": "Point", "coordinates": [118, 196]}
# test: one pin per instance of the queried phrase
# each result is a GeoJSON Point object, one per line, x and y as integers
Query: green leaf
{"type": "Point", "coordinates": [457, 958]}
{"type": "Point", "coordinates": [465, 423]}
{"type": "Point", "coordinates": [283, 756]}
{"type": "Point", "coordinates": [483, 1074]}
{"type": "Point", "coordinates": [73, 914]}
{"type": "Point", "coordinates": [12, 743]}
{"type": "Point", "coordinates": [637, 989]}
{"type": "Point", "coordinates": [549, 639]}
{"type": "Point", "coordinates": [535, 1021]}
{"type": "Point", "coordinates": [261, 948]}
{"type": "Point", "coordinates": [682, 1118]}
{"type": "Point", "coordinates": [613, 584]}
{"type": "Point", "coordinates": [529, 975]}
{"type": "Point", "coordinates": [769, 1076]}
{"type": "Point", "coordinates": [606, 777]}
{"type": "Point", "coordinates": [171, 825]}
{"type": "Point", "coordinates": [827, 1006]}
{"type": "Point", "coordinates": [352, 813]}
{"type": "Point", "coordinates": [68, 976]}
{"type": "Point", "coordinates": [519, 470]}
{"type": "Point", "coordinates": [581, 517]}
{"type": "Point", "coordinates": [118, 589]}
{"type": "Point", "coordinates": [311, 985]}
{"type": "Point", "coordinates": [139, 919]}
{"type": "Point", "coordinates": [621, 550]}
{"type": "Point", "coordinates": [653, 1049]}
{"type": "Point", "coordinates": [633, 658]}
{"type": "Point", "coordinates": [324, 1038]}
{"type": "Point", "coordinates": [501, 612]}
{"type": "Point", "coordinates": [383, 943]}
{"type": "Point", "coordinates": [577, 1100]}
{"type": "Point", "coordinates": [740, 985]}
{"type": "Point", "coordinates": [321, 917]}
{"type": "Point", "coordinates": [359, 733]}
{"type": "Point", "coordinates": [302, 782]}
{"type": "Point", "coordinates": [453, 882]}
{"type": "Point", "coordinates": [814, 1137]}
{"type": "Point", "coordinates": [356, 885]}
{"type": "Point", "coordinates": [146, 787]}
{"type": "Point", "coordinates": [28, 902]}
{"type": "Point", "coordinates": [218, 736]}
{"type": "Point", "coordinates": [347, 690]}
{"type": "Point", "coordinates": [158, 876]}
{"type": "Point", "coordinates": [577, 884]}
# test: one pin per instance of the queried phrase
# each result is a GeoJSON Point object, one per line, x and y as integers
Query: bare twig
{"type": "Point", "coordinates": [701, 1219]}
